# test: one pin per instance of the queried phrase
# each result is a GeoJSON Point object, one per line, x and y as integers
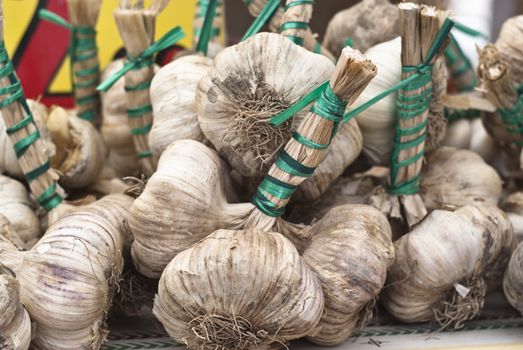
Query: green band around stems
{"type": "Point", "coordinates": [49, 199]}
{"type": "Point", "coordinates": [452, 115]}
{"type": "Point", "coordinates": [298, 3]}
{"type": "Point", "coordinates": [82, 47]}
{"type": "Point", "coordinates": [142, 86]}
{"type": "Point", "coordinates": [263, 18]}
{"type": "Point", "coordinates": [143, 59]}
{"type": "Point", "coordinates": [207, 30]}
{"type": "Point", "coordinates": [513, 117]}
{"type": "Point", "coordinates": [145, 154]}
{"type": "Point", "coordinates": [329, 107]}
{"type": "Point", "coordinates": [458, 65]}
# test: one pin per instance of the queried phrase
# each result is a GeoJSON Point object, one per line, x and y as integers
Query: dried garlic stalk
{"type": "Point", "coordinates": [115, 129]}
{"type": "Point", "coordinates": [137, 28]}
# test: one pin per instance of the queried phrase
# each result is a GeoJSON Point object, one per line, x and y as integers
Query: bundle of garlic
{"type": "Point", "coordinates": [235, 259]}
{"type": "Point", "coordinates": [422, 38]}
{"type": "Point", "coordinates": [15, 325]}
{"type": "Point", "coordinates": [68, 278]}
{"type": "Point", "coordinates": [365, 24]}
{"type": "Point", "coordinates": [270, 12]}
{"type": "Point", "coordinates": [454, 178]}
{"type": "Point", "coordinates": [513, 279]}
{"type": "Point", "coordinates": [80, 150]}
{"type": "Point", "coordinates": [115, 130]}
{"type": "Point", "coordinates": [83, 52]}
{"type": "Point", "coordinates": [137, 27]}
{"type": "Point", "coordinates": [30, 148]}
{"type": "Point", "coordinates": [18, 208]}
{"type": "Point", "coordinates": [218, 22]}
{"type": "Point", "coordinates": [173, 93]}
{"type": "Point", "coordinates": [443, 266]}
{"type": "Point", "coordinates": [249, 83]}
{"type": "Point", "coordinates": [8, 160]}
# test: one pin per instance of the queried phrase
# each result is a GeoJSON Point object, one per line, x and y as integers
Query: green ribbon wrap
{"type": "Point", "coordinates": [12, 93]}
{"type": "Point", "coordinates": [296, 24]}
{"type": "Point", "coordinates": [328, 106]}
{"type": "Point", "coordinates": [513, 117]}
{"type": "Point", "coordinates": [145, 59]}
{"type": "Point", "coordinates": [459, 65]}
{"type": "Point", "coordinates": [136, 63]}
{"type": "Point", "coordinates": [207, 32]}
{"type": "Point", "coordinates": [82, 47]}
{"type": "Point", "coordinates": [410, 106]}
{"type": "Point", "coordinates": [263, 18]}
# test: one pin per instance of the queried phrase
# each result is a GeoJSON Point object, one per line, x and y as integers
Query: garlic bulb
{"type": "Point", "coordinates": [349, 253]}
{"type": "Point", "coordinates": [248, 84]}
{"type": "Point", "coordinates": [80, 151]}
{"type": "Point", "coordinates": [183, 202]}
{"type": "Point", "coordinates": [67, 279]}
{"type": "Point", "coordinates": [442, 267]}
{"type": "Point", "coordinates": [513, 205]}
{"type": "Point", "coordinates": [454, 178]}
{"type": "Point", "coordinates": [459, 134]}
{"type": "Point", "coordinates": [8, 159]}
{"type": "Point", "coordinates": [471, 134]}
{"type": "Point", "coordinates": [366, 24]}
{"type": "Point", "coordinates": [18, 208]}
{"type": "Point", "coordinates": [513, 280]}
{"type": "Point", "coordinates": [15, 325]}
{"type": "Point", "coordinates": [378, 122]}
{"type": "Point", "coordinates": [115, 128]}
{"type": "Point", "coordinates": [282, 303]}
{"type": "Point", "coordinates": [173, 94]}
{"type": "Point", "coordinates": [509, 45]}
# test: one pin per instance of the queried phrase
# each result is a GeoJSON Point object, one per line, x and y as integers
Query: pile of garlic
{"type": "Point", "coordinates": [240, 229]}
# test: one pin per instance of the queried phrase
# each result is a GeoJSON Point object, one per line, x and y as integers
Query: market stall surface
{"type": "Point", "coordinates": [498, 327]}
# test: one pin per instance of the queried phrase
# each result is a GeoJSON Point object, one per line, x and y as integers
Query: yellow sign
{"type": "Point", "coordinates": [21, 20]}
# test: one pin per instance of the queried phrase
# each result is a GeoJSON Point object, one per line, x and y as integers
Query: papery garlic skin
{"type": "Point", "coordinates": [454, 178]}
{"type": "Point", "coordinates": [349, 252]}
{"type": "Point", "coordinates": [67, 280]}
{"type": "Point", "coordinates": [173, 97]}
{"type": "Point", "coordinates": [378, 122]}
{"type": "Point", "coordinates": [443, 250]}
{"type": "Point", "coordinates": [509, 45]}
{"type": "Point", "coordinates": [513, 205]}
{"type": "Point", "coordinates": [367, 23]}
{"type": "Point", "coordinates": [180, 205]}
{"type": "Point", "coordinates": [83, 171]}
{"type": "Point", "coordinates": [513, 280]}
{"type": "Point", "coordinates": [15, 324]}
{"type": "Point", "coordinates": [254, 275]}
{"type": "Point", "coordinates": [19, 209]}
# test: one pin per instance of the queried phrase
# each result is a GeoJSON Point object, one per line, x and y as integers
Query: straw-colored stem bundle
{"type": "Point", "coordinates": [29, 146]}
{"type": "Point", "coordinates": [255, 7]}
{"type": "Point", "coordinates": [137, 27]}
{"type": "Point", "coordinates": [218, 23]}
{"type": "Point", "coordinates": [83, 15]}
